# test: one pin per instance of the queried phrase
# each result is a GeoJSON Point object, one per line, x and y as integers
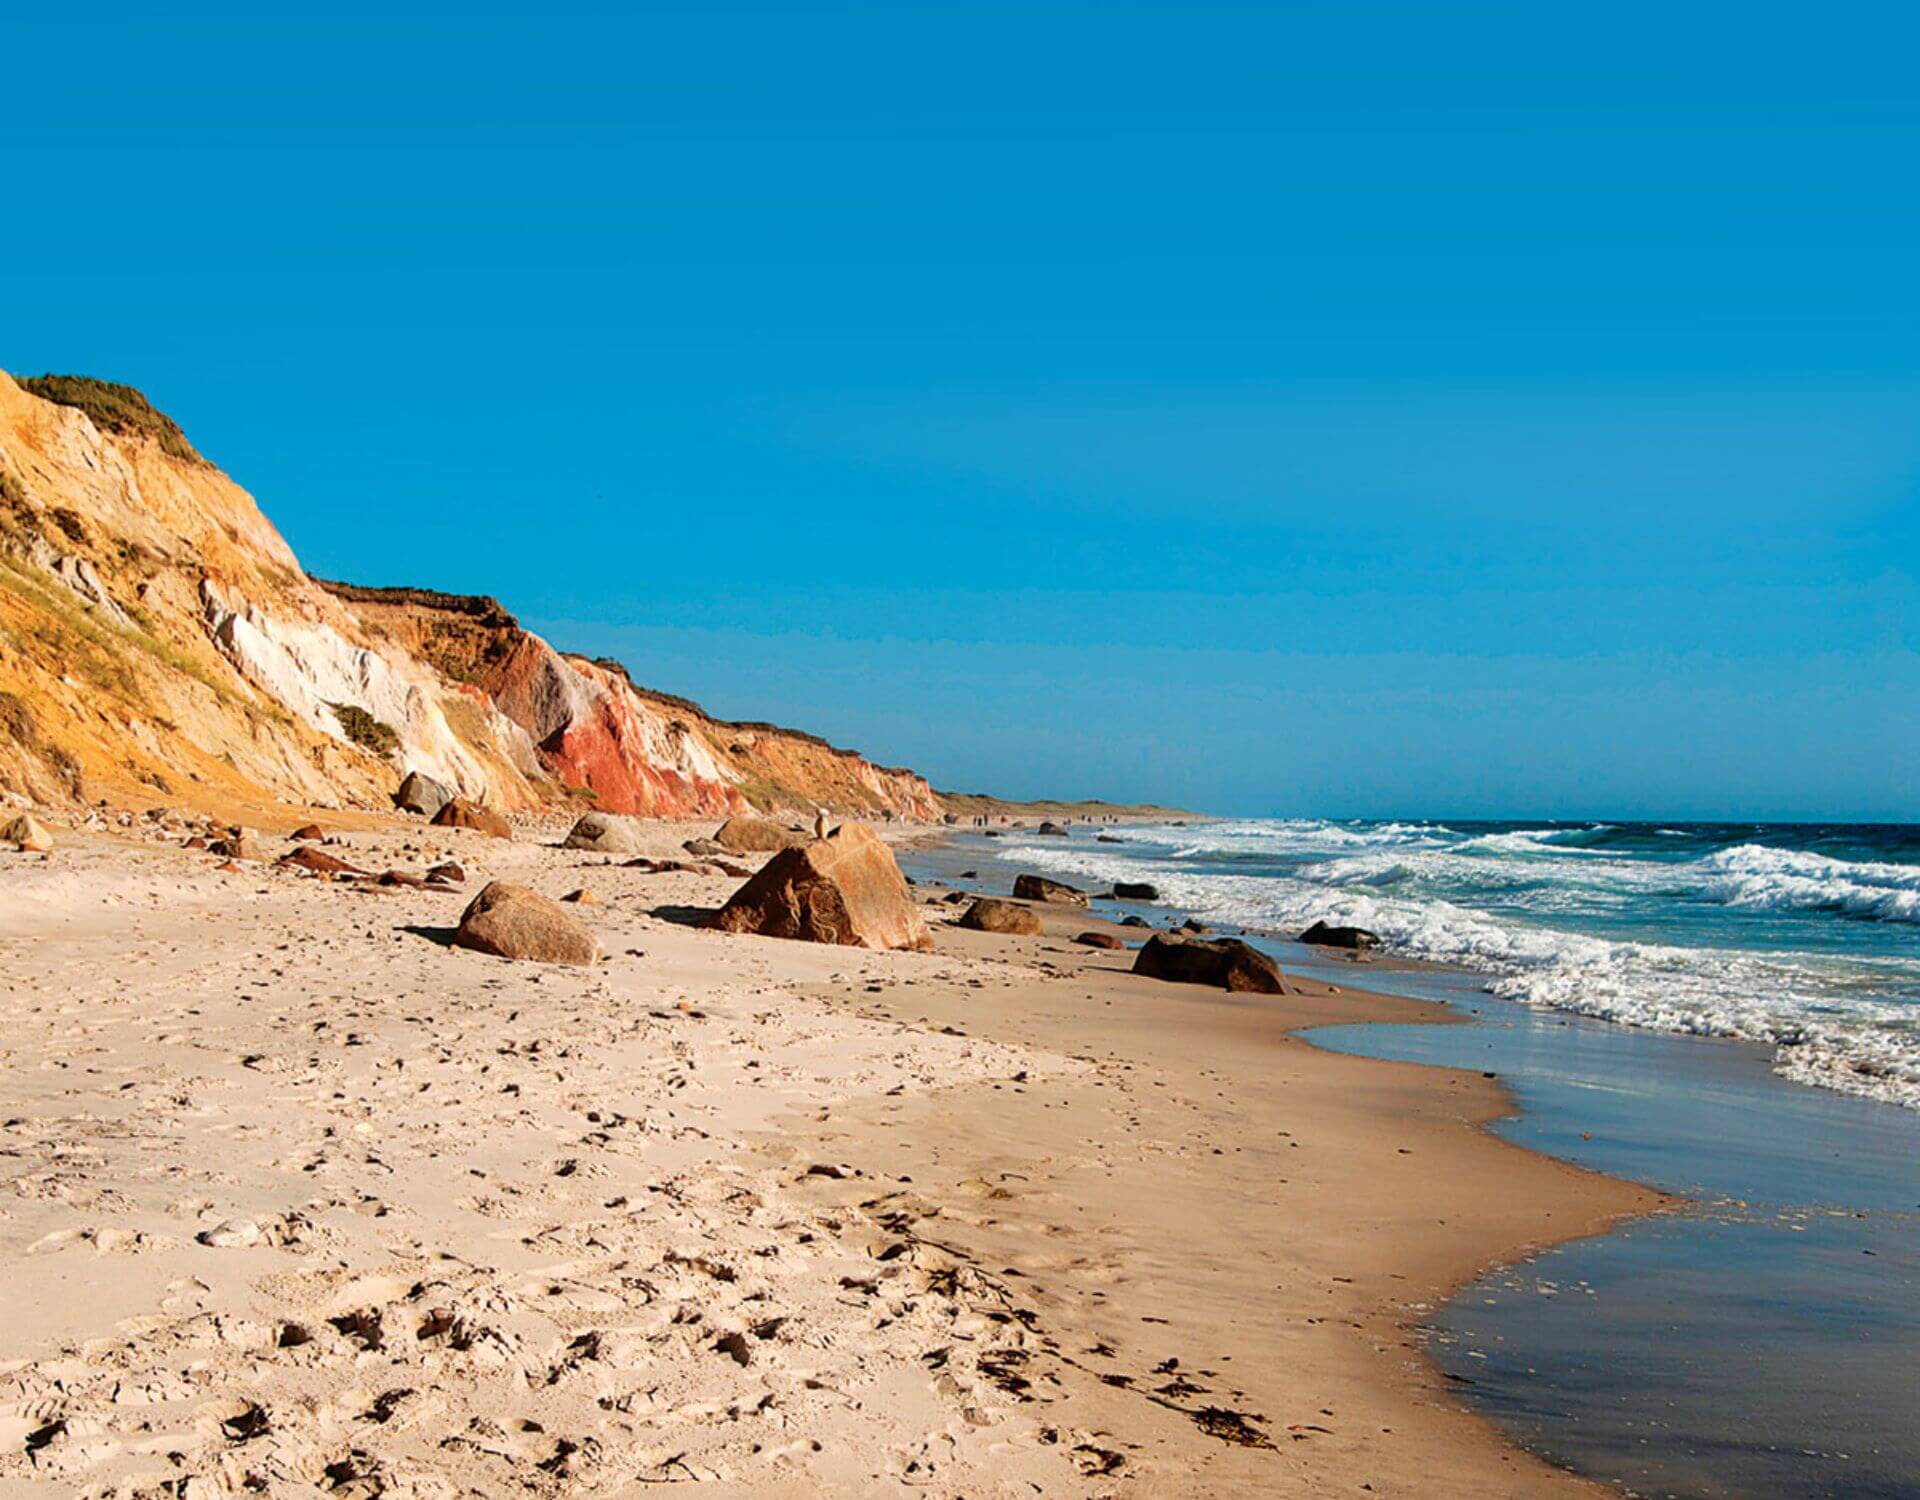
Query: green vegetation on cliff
{"type": "Point", "coordinates": [365, 730]}
{"type": "Point", "coordinates": [114, 408]}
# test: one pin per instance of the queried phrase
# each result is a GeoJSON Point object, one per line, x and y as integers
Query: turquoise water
{"type": "Point", "coordinates": [1805, 938]}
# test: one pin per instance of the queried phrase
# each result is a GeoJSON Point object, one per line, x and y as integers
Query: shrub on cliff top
{"type": "Point", "coordinates": [114, 408]}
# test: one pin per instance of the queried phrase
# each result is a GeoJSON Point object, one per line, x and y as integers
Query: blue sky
{"type": "Point", "coordinates": [1289, 407]}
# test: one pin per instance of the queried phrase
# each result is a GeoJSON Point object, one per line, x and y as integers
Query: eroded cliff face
{"type": "Point", "coordinates": [157, 634]}
{"type": "Point", "coordinates": [635, 750]}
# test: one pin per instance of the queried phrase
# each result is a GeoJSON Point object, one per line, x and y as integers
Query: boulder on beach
{"type": "Point", "coordinates": [1226, 963]}
{"type": "Point", "coordinates": [311, 832]}
{"type": "Point", "coordinates": [399, 878]}
{"type": "Point", "coordinates": [749, 835]}
{"type": "Point", "coordinates": [513, 921]}
{"type": "Point", "coordinates": [1039, 888]}
{"type": "Point", "coordinates": [685, 867]}
{"type": "Point", "coordinates": [27, 834]}
{"type": "Point", "coordinates": [845, 888]}
{"type": "Point", "coordinates": [1134, 890]}
{"type": "Point", "coordinates": [1327, 935]}
{"type": "Point", "coordinates": [306, 857]}
{"type": "Point", "coordinates": [581, 897]}
{"type": "Point", "coordinates": [421, 794]}
{"type": "Point", "coordinates": [704, 848]}
{"type": "Point", "coordinates": [460, 813]}
{"type": "Point", "coordinates": [1052, 830]}
{"type": "Point", "coordinates": [240, 844]}
{"type": "Point", "coordinates": [605, 833]}
{"type": "Point", "coordinates": [448, 871]}
{"type": "Point", "coordinates": [1098, 940]}
{"type": "Point", "coordinates": [991, 914]}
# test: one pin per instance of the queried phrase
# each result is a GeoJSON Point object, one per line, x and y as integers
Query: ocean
{"type": "Point", "coordinates": [1761, 1340]}
{"type": "Point", "coordinates": [1804, 937]}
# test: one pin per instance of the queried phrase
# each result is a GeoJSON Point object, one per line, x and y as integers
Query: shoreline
{"type": "Point", "coordinates": [1474, 1104]}
{"type": "Point", "coordinates": [1635, 1357]}
{"type": "Point", "coordinates": [1067, 1186]}
{"type": "Point", "coordinates": [1753, 1342]}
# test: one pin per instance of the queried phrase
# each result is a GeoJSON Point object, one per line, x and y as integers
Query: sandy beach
{"type": "Point", "coordinates": [300, 1199]}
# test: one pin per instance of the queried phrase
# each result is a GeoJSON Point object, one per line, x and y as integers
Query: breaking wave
{"type": "Point", "coordinates": [1669, 928]}
{"type": "Point", "coordinates": [1754, 875]}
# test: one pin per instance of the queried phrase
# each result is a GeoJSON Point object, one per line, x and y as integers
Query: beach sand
{"type": "Point", "coordinates": [295, 1198]}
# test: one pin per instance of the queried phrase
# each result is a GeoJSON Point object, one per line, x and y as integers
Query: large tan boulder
{"type": "Point", "coordinates": [844, 888]}
{"type": "Point", "coordinates": [1039, 888]}
{"type": "Point", "coordinates": [460, 813]}
{"type": "Point", "coordinates": [515, 922]}
{"type": "Point", "coordinates": [605, 833]}
{"type": "Point", "coordinates": [27, 834]}
{"type": "Point", "coordinates": [1227, 964]}
{"type": "Point", "coordinates": [991, 914]}
{"type": "Point", "coordinates": [748, 835]}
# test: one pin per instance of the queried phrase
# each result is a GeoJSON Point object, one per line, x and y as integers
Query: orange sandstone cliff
{"type": "Point", "coordinates": [158, 639]}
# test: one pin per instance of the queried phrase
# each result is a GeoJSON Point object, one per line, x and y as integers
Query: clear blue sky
{"type": "Point", "coordinates": [1337, 408]}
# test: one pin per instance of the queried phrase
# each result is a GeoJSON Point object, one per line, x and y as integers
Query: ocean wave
{"type": "Point", "coordinates": [1283, 836]}
{"type": "Point", "coordinates": [1828, 1024]}
{"type": "Point", "coordinates": [1856, 1046]}
{"type": "Point", "coordinates": [1758, 876]}
{"type": "Point", "coordinates": [1540, 840]}
{"type": "Point", "coordinates": [1362, 869]}
{"type": "Point", "coordinates": [1539, 884]}
{"type": "Point", "coordinates": [1287, 904]}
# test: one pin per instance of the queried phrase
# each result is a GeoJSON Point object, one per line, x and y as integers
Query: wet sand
{"type": "Point", "coordinates": [295, 1197]}
{"type": "Point", "coordinates": [1760, 1342]}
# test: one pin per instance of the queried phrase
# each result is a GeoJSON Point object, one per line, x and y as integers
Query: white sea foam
{"type": "Point", "coordinates": [1362, 869]}
{"type": "Point", "coordinates": [1754, 875]}
{"type": "Point", "coordinates": [1539, 840]}
{"type": "Point", "coordinates": [1539, 880]}
{"type": "Point", "coordinates": [1826, 1015]}
{"type": "Point", "coordinates": [1286, 836]}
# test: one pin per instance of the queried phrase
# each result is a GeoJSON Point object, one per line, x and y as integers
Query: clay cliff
{"type": "Point", "coordinates": [159, 640]}
{"type": "Point", "coordinates": [634, 749]}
